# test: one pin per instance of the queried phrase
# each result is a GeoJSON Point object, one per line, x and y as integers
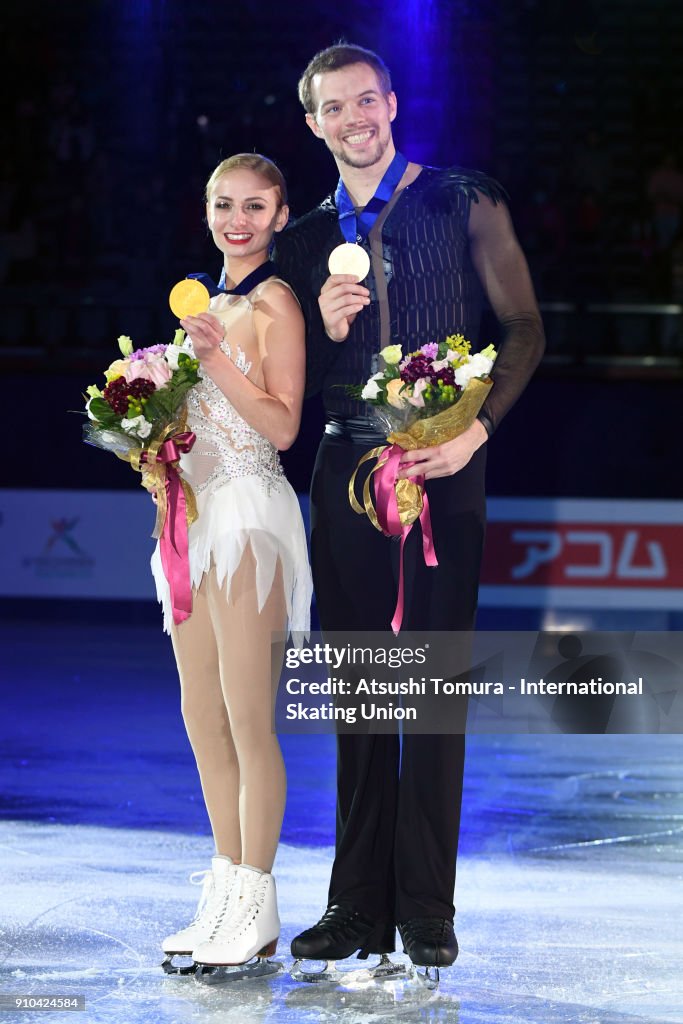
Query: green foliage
{"type": "Point", "coordinates": [103, 412]}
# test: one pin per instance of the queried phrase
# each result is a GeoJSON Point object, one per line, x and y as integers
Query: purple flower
{"type": "Point", "coordinates": [417, 366]}
{"type": "Point", "coordinates": [431, 350]}
{"type": "Point", "coordinates": [140, 353]}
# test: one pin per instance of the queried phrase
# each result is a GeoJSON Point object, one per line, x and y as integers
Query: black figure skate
{"type": "Point", "coordinates": [341, 932]}
{"type": "Point", "coordinates": [430, 943]}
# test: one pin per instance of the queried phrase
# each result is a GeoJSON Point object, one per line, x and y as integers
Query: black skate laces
{"type": "Point", "coordinates": [341, 921]}
{"type": "Point", "coordinates": [432, 929]}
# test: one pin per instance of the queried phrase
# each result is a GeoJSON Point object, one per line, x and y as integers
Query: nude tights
{"type": "Point", "coordinates": [223, 654]}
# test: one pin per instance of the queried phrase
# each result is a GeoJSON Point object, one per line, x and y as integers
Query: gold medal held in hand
{"type": "Point", "coordinates": [189, 298]}
{"type": "Point", "coordinates": [349, 258]}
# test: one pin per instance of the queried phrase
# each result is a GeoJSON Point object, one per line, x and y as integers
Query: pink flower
{"type": "Point", "coordinates": [416, 398]}
{"type": "Point", "coordinates": [153, 367]}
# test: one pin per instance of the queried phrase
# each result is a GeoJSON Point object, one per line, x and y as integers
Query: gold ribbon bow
{"type": "Point", "coordinates": [154, 473]}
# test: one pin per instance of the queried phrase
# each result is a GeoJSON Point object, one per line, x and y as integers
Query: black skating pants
{"type": "Point", "coordinates": [398, 810]}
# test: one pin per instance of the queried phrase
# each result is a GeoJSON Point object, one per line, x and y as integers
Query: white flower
{"type": "Point", "coordinates": [173, 351]}
{"type": "Point", "coordinates": [371, 390]}
{"type": "Point", "coordinates": [463, 375]}
{"type": "Point", "coordinates": [478, 365]}
{"type": "Point", "coordinates": [87, 409]}
{"type": "Point", "coordinates": [482, 364]}
{"type": "Point", "coordinates": [138, 426]}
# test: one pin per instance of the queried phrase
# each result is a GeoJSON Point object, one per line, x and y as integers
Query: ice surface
{"type": "Point", "coordinates": [587, 935]}
{"type": "Point", "coordinates": [569, 896]}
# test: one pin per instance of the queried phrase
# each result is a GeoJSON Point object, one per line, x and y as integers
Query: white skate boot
{"type": "Point", "coordinates": [218, 888]}
{"type": "Point", "coordinates": [248, 928]}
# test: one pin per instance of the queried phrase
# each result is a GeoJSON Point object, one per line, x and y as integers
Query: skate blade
{"type": "Point", "coordinates": [260, 967]}
{"type": "Point", "coordinates": [427, 977]}
{"type": "Point", "coordinates": [179, 970]}
{"type": "Point", "coordinates": [385, 970]}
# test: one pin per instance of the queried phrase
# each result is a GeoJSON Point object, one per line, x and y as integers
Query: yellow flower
{"type": "Point", "coordinates": [393, 397]}
{"type": "Point", "coordinates": [457, 343]}
{"type": "Point", "coordinates": [93, 391]}
{"type": "Point", "coordinates": [125, 344]}
{"type": "Point", "coordinates": [178, 337]}
{"type": "Point", "coordinates": [117, 369]}
{"type": "Point", "coordinates": [391, 354]}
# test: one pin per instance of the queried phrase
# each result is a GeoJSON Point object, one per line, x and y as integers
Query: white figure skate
{"type": "Point", "coordinates": [217, 890]}
{"type": "Point", "coordinates": [245, 935]}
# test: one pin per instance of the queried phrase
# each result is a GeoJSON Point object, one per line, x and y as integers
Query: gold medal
{"type": "Point", "coordinates": [349, 258]}
{"type": "Point", "coordinates": [189, 298]}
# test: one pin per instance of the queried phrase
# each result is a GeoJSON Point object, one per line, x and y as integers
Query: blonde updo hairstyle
{"type": "Point", "coordinates": [257, 163]}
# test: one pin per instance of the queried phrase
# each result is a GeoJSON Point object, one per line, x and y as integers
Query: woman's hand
{"type": "Point", "coordinates": [444, 459]}
{"type": "Point", "coordinates": [273, 407]}
{"type": "Point", "coordinates": [146, 483]}
{"type": "Point", "coordinates": [206, 333]}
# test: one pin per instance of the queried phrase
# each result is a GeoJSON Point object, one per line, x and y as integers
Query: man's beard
{"type": "Point", "coordinates": [365, 159]}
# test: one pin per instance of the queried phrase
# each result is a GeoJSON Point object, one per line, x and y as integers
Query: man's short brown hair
{"type": "Point", "coordinates": [341, 55]}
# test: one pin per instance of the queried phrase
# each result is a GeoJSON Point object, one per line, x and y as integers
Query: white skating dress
{"type": "Point", "coordinates": [243, 496]}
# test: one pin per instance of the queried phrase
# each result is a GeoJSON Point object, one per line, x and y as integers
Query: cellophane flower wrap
{"type": "Point", "coordinates": [422, 399]}
{"type": "Point", "coordinates": [139, 415]}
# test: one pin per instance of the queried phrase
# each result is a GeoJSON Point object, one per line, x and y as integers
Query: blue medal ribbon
{"type": "Point", "coordinates": [262, 273]}
{"type": "Point", "coordinates": [356, 227]}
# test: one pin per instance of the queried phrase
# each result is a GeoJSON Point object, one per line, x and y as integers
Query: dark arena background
{"type": "Point", "coordinates": [114, 113]}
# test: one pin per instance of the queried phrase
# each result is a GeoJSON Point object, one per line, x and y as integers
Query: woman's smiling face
{"type": "Point", "coordinates": [243, 212]}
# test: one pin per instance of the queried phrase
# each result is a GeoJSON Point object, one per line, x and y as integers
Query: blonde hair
{"type": "Point", "coordinates": [261, 165]}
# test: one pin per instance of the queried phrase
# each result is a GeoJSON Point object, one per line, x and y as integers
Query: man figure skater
{"type": "Point", "coordinates": [437, 240]}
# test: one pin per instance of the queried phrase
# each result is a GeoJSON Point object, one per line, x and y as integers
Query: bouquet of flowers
{"type": "Point", "coordinates": [144, 391]}
{"type": "Point", "coordinates": [425, 383]}
{"type": "Point", "coordinates": [140, 416]}
{"type": "Point", "coordinates": [423, 399]}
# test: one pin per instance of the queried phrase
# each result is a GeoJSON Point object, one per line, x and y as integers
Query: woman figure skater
{"type": "Point", "coordinates": [248, 561]}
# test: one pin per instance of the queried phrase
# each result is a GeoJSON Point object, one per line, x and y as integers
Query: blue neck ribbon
{"type": "Point", "coordinates": [355, 227]}
{"type": "Point", "coordinates": [262, 273]}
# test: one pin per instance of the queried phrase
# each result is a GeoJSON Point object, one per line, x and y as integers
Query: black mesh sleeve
{"type": "Point", "coordinates": [504, 275]}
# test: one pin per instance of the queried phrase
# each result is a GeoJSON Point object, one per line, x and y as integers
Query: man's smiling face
{"type": "Point", "coordinates": [353, 115]}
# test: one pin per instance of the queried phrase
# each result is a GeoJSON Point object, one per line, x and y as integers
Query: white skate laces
{"type": "Point", "coordinates": [218, 886]}
{"type": "Point", "coordinates": [250, 895]}
{"type": "Point", "coordinates": [248, 924]}
{"type": "Point", "coordinates": [205, 879]}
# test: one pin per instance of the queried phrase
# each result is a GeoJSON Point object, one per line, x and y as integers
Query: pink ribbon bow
{"type": "Point", "coordinates": [389, 520]}
{"type": "Point", "coordinates": [173, 543]}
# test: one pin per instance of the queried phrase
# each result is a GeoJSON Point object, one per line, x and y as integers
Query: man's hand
{"type": "Point", "coordinates": [444, 459]}
{"type": "Point", "coordinates": [206, 333]}
{"type": "Point", "coordinates": [340, 301]}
